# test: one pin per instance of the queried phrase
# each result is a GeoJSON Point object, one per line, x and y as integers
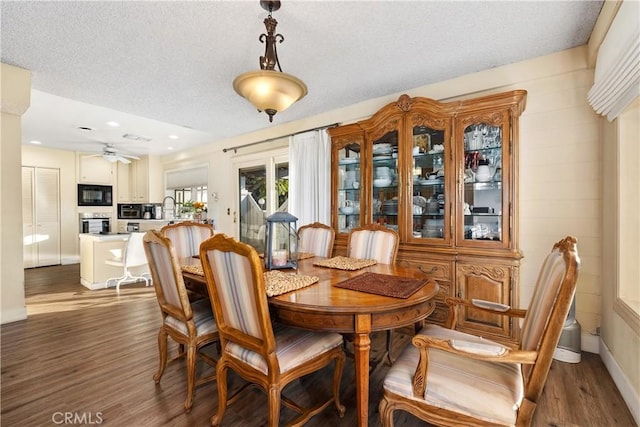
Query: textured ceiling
{"type": "Point", "coordinates": [161, 67]}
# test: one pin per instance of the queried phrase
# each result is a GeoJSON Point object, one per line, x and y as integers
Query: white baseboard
{"type": "Point", "coordinates": [629, 395]}
{"type": "Point", "coordinates": [72, 260]}
{"type": "Point", "coordinates": [14, 315]}
{"type": "Point", "coordinates": [93, 286]}
{"type": "Point", "coordinates": [590, 343]}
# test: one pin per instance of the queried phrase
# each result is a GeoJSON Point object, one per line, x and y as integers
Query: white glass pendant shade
{"type": "Point", "coordinates": [270, 91]}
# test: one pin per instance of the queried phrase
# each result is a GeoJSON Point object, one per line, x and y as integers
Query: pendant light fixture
{"type": "Point", "coordinates": [269, 90]}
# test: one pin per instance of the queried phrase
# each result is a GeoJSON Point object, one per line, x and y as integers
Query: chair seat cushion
{"type": "Point", "coordinates": [202, 317]}
{"type": "Point", "coordinates": [293, 347]}
{"type": "Point", "coordinates": [486, 390]}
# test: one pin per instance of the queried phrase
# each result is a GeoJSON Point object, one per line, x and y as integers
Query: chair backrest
{"type": "Point", "coordinates": [373, 242]}
{"type": "Point", "coordinates": [235, 282]}
{"type": "Point", "coordinates": [547, 312]}
{"type": "Point", "coordinates": [167, 276]}
{"type": "Point", "coordinates": [187, 236]}
{"type": "Point", "coordinates": [317, 239]}
{"type": "Point", "coordinates": [134, 251]}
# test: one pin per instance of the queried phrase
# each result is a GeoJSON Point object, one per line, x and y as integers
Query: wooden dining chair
{"type": "Point", "coordinates": [317, 239]}
{"type": "Point", "coordinates": [191, 325]}
{"type": "Point", "coordinates": [186, 236]}
{"type": "Point", "coordinates": [451, 378]}
{"type": "Point", "coordinates": [375, 241]}
{"type": "Point", "coordinates": [264, 354]}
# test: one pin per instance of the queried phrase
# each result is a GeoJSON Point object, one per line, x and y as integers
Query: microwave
{"type": "Point", "coordinates": [130, 211]}
{"type": "Point", "coordinates": [95, 195]}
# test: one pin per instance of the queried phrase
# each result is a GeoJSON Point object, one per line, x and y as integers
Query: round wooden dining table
{"type": "Point", "coordinates": [327, 307]}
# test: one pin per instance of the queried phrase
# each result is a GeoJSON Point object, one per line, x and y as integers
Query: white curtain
{"type": "Point", "coordinates": [310, 177]}
{"type": "Point", "coordinates": [617, 74]}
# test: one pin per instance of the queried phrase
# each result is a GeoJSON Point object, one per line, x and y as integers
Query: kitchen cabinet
{"type": "Point", "coordinates": [444, 176]}
{"type": "Point", "coordinates": [94, 170]}
{"type": "Point", "coordinates": [40, 216]}
{"type": "Point", "coordinates": [139, 180]}
{"type": "Point", "coordinates": [95, 249]}
{"type": "Point", "coordinates": [123, 188]}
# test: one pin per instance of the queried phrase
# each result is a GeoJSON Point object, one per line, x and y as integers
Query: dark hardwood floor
{"type": "Point", "coordinates": [91, 355]}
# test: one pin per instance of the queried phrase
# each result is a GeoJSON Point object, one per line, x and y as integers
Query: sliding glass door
{"type": "Point", "coordinates": [263, 188]}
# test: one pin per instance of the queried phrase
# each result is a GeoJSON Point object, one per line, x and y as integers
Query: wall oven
{"type": "Point", "coordinates": [94, 225]}
{"type": "Point", "coordinates": [95, 195]}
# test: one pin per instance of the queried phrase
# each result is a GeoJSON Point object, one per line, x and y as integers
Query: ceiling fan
{"type": "Point", "coordinates": [111, 154]}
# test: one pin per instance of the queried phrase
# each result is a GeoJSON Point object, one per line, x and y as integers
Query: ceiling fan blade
{"type": "Point", "coordinates": [92, 155]}
{"type": "Point", "coordinates": [128, 156]}
{"type": "Point", "coordinates": [124, 160]}
{"type": "Point", "coordinates": [110, 158]}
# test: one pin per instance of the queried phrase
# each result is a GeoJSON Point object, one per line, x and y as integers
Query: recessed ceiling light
{"type": "Point", "coordinates": [172, 136]}
{"type": "Point", "coordinates": [169, 148]}
{"type": "Point", "coordinates": [113, 124]}
{"type": "Point", "coordinates": [35, 142]}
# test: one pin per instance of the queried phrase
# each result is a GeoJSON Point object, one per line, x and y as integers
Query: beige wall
{"type": "Point", "coordinates": [65, 161]}
{"type": "Point", "coordinates": [16, 88]}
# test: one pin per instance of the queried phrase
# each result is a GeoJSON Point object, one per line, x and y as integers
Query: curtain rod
{"type": "Point", "coordinates": [237, 147]}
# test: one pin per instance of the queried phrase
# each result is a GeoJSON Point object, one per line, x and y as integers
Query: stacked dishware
{"type": "Point", "coordinates": [349, 179]}
{"type": "Point", "coordinates": [382, 176]}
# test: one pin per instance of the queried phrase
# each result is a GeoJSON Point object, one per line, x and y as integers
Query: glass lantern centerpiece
{"type": "Point", "coordinates": [281, 241]}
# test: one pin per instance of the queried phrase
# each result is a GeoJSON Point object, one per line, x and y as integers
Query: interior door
{"type": "Point", "coordinates": [28, 218]}
{"type": "Point", "coordinates": [41, 216]}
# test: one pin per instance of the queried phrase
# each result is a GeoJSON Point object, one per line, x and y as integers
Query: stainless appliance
{"type": "Point", "coordinates": [95, 195]}
{"type": "Point", "coordinates": [148, 211]}
{"type": "Point", "coordinates": [133, 226]}
{"type": "Point", "coordinates": [130, 211]}
{"type": "Point", "coordinates": [94, 223]}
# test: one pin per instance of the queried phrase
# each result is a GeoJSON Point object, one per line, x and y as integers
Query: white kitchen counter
{"type": "Point", "coordinates": [146, 224]}
{"type": "Point", "coordinates": [95, 249]}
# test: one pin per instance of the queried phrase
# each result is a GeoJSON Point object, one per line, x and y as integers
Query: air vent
{"type": "Point", "coordinates": [84, 128]}
{"type": "Point", "coordinates": [135, 137]}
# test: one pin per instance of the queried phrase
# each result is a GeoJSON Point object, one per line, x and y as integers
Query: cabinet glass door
{"type": "Point", "coordinates": [428, 204]}
{"type": "Point", "coordinates": [483, 189]}
{"type": "Point", "coordinates": [384, 180]}
{"type": "Point", "coordinates": [349, 187]}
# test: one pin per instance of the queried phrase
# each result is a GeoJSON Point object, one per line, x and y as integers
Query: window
{"type": "Point", "coordinates": [194, 194]}
{"type": "Point", "coordinates": [627, 303]}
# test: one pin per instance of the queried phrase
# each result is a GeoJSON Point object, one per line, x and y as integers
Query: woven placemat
{"type": "Point", "coordinates": [193, 269]}
{"type": "Point", "coordinates": [345, 263]}
{"type": "Point", "coordinates": [278, 282]}
{"type": "Point", "coordinates": [301, 255]}
{"type": "Point", "coordinates": [383, 284]}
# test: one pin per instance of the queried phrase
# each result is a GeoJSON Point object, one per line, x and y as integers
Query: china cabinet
{"type": "Point", "coordinates": [444, 176]}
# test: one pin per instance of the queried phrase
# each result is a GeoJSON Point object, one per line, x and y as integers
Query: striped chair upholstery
{"type": "Point", "coordinates": [191, 325]}
{"type": "Point", "coordinates": [373, 242]}
{"type": "Point", "coordinates": [187, 236]}
{"type": "Point", "coordinates": [317, 239]}
{"type": "Point", "coordinates": [262, 353]}
{"type": "Point", "coordinates": [449, 377]}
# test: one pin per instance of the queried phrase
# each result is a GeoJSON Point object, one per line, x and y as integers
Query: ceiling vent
{"type": "Point", "coordinates": [135, 137]}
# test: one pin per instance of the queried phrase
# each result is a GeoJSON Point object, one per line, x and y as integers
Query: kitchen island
{"type": "Point", "coordinates": [95, 249]}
